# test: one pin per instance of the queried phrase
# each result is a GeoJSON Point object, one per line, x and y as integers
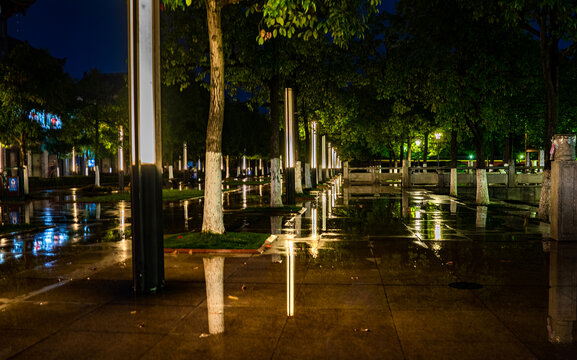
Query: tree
{"type": "Point", "coordinates": [343, 22]}
{"type": "Point", "coordinates": [31, 80]}
{"type": "Point", "coordinates": [96, 115]}
{"type": "Point", "coordinates": [552, 22]}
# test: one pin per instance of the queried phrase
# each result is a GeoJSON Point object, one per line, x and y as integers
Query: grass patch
{"type": "Point", "coordinates": [9, 228]}
{"type": "Point", "coordinates": [305, 196]}
{"type": "Point", "coordinates": [167, 195]}
{"type": "Point", "coordinates": [240, 182]}
{"type": "Point", "coordinates": [175, 194]}
{"type": "Point", "coordinates": [283, 210]}
{"type": "Point", "coordinates": [105, 198]}
{"type": "Point", "coordinates": [230, 240]}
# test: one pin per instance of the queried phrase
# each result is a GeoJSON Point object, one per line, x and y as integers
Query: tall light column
{"type": "Point", "coordinates": [289, 146]}
{"type": "Point", "coordinates": [330, 160]}
{"type": "Point", "coordinates": [184, 157]}
{"type": "Point", "coordinates": [145, 130]}
{"type": "Point", "coordinates": [121, 159]}
{"type": "Point", "coordinates": [314, 154]}
{"type": "Point", "coordinates": [324, 157]}
{"type": "Point", "coordinates": [1, 158]}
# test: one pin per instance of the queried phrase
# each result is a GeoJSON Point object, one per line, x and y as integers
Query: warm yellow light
{"type": "Point", "coordinates": [289, 127]}
{"type": "Point", "coordinates": [314, 145]}
{"type": "Point", "coordinates": [121, 151]}
{"type": "Point", "coordinates": [323, 152]}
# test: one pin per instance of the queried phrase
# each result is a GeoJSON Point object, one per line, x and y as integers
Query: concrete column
{"type": "Point", "coordinates": [563, 189]}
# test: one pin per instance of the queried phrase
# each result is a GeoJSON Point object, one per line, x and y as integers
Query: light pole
{"type": "Point", "coordinates": [418, 143]}
{"type": "Point", "coordinates": [121, 159]}
{"type": "Point", "coordinates": [289, 145]}
{"type": "Point", "coordinates": [146, 159]}
{"type": "Point", "coordinates": [438, 138]}
{"type": "Point", "coordinates": [324, 157]}
{"type": "Point", "coordinates": [314, 153]}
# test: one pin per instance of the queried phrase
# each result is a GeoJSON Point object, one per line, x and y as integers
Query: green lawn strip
{"type": "Point", "coordinates": [175, 194]}
{"type": "Point", "coordinates": [9, 228]}
{"type": "Point", "coordinates": [230, 240]}
{"type": "Point", "coordinates": [240, 182]}
{"type": "Point", "coordinates": [167, 195]}
{"type": "Point", "coordinates": [305, 196]}
{"type": "Point", "coordinates": [283, 210]}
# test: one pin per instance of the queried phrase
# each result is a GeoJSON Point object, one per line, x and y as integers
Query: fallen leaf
{"type": "Point", "coordinates": [203, 335]}
{"type": "Point", "coordinates": [133, 312]}
{"type": "Point", "coordinates": [232, 297]}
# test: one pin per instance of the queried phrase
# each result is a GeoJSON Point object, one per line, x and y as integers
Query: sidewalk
{"type": "Point", "coordinates": [377, 293]}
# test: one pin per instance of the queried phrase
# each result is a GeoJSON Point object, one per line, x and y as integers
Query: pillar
{"type": "Point", "coordinates": [145, 115]}
{"type": "Point", "coordinates": [563, 188]}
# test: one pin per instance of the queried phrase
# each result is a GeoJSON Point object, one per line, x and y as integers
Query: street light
{"type": "Point", "coordinates": [418, 143]}
{"type": "Point", "coordinates": [145, 130]}
{"type": "Point", "coordinates": [289, 145]}
{"type": "Point", "coordinates": [438, 138]}
{"type": "Point", "coordinates": [314, 153]}
{"type": "Point", "coordinates": [121, 159]}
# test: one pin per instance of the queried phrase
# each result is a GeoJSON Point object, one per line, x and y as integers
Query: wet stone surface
{"type": "Point", "coordinates": [401, 275]}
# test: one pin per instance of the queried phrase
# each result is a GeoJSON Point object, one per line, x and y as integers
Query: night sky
{"type": "Point", "coordinates": [88, 33]}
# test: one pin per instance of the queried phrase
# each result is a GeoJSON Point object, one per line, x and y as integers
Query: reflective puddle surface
{"type": "Point", "coordinates": [389, 274]}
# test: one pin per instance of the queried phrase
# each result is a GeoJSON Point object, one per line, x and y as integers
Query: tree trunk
{"type": "Point", "coordinates": [212, 220]}
{"type": "Point", "coordinates": [308, 182]}
{"type": "Point", "coordinates": [550, 60]}
{"type": "Point", "coordinates": [275, 165]}
{"type": "Point", "coordinates": [298, 178]}
{"type": "Point", "coordinates": [482, 197]}
{"type": "Point", "coordinates": [508, 149]}
{"type": "Point", "coordinates": [545, 197]}
{"type": "Point", "coordinates": [213, 276]}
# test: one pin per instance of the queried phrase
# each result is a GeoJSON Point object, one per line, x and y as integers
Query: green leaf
{"type": "Point", "coordinates": [188, 2]}
{"type": "Point", "coordinates": [280, 21]}
{"type": "Point", "coordinates": [274, 33]}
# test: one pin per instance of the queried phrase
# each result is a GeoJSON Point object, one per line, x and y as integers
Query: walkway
{"type": "Point", "coordinates": [413, 277]}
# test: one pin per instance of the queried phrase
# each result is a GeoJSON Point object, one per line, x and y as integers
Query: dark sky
{"type": "Point", "coordinates": [88, 33]}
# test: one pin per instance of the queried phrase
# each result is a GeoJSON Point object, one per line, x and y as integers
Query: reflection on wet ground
{"type": "Point", "coordinates": [392, 275]}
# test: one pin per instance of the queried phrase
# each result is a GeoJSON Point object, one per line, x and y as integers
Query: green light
{"type": "Point", "coordinates": [471, 157]}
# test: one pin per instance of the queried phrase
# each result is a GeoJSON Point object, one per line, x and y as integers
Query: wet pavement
{"type": "Point", "coordinates": [393, 275]}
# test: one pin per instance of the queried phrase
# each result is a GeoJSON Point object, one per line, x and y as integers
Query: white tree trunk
{"type": "Point", "coordinates": [482, 187]}
{"type": "Point", "coordinates": [25, 186]}
{"type": "Point", "coordinates": [96, 176]}
{"type": "Point", "coordinates": [308, 181]}
{"type": "Point", "coordinates": [298, 178]}
{"type": "Point", "coordinates": [275, 184]}
{"type": "Point", "coordinates": [213, 276]}
{"type": "Point", "coordinates": [44, 164]}
{"type": "Point", "coordinates": [545, 198]}
{"type": "Point", "coordinates": [212, 218]}
{"type": "Point", "coordinates": [453, 187]}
